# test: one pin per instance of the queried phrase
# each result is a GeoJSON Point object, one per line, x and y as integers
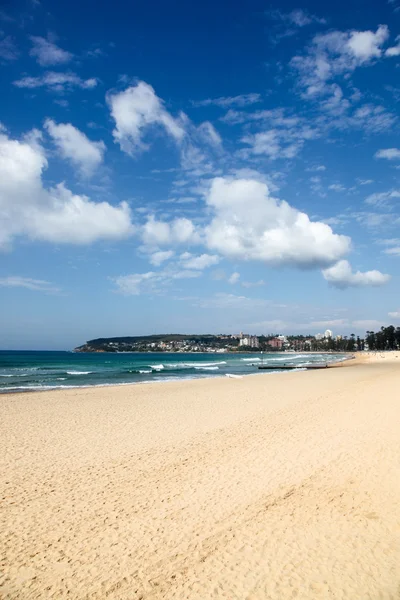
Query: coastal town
{"type": "Point", "coordinates": [387, 338]}
{"type": "Point", "coordinates": [241, 342]}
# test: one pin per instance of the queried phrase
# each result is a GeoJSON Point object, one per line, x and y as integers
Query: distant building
{"type": "Point", "coordinates": [328, 333]}
{"type": "Point", "coordinates": [250, 341]}
{"type": "Point", "coordinates": [276, 343]}
{"type": "Point", "coordinates": [319, 336]}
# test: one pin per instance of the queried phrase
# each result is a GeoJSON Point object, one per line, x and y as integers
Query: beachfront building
{"type": "Point", "coordinates": [328, 333]}
{"type": "Point", "coordinates": [276, 342]}
{"type": "Point", "coordinates": [251, 341]}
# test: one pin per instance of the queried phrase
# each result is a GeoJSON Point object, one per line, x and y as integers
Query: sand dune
{"type": "Point", "coordinates": [269, 487]}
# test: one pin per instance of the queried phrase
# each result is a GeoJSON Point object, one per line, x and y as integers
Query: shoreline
{"type": "Point", "coordinates": [63, 388]}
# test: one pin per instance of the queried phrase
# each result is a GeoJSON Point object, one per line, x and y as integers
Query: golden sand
{"type": "Point", "coordinates": [267, 487]}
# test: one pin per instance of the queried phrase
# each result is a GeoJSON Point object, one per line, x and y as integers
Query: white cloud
{"type": "Point", "coordinates": [289, 23]}
{"type": "Point", "coordinates": [161, 233]}
{"type": "Point", "coordinates": [394, 50]}
{"type": "Point", "coordinates": [8, 49]}
{"type": "Point", "coordinates": [365, 45]}
{"type": "Point", "coordinates": [393, 251]}
{"type": "Point", "coordinates": [249, 224]}
{"type": "Point", "coordinates": [388, 153]}
{"type": "Point", "coordinates": [273, 144]}
{"type": "Point", "coordinates": [371, 118]}
{"type": "Point", "coordinates": [234, 278]}
{"type": "Point", "coordinates": [137, 109]}
{"type": "Point", "coordinates": [337, 53]}
{"type": "Point", "coordinates": [317, 168]}
{"type": "Point", "coordinates": [38, 285]}
{"type": "Point", "coordinates": [157, 258]}
{"type": "Point", "coordinates": [200, 262]}
{"type": "Point", "coordinates": [152, 282]}
{"type": "Point", "coordinates": [365, 181]}
{"type": "Point", "coordinates": [76, 147]}
{"type": "Point", "coordinates": [210, 135]}
{"type": "Point", "coordinates": [224, 102]}
{"type": "Point", "coordinates": [56, 82]}
{"type": "Point", "coordinates": [382, 198]}
{"type": "Point", "coordinates": [341, 275]}
{"type": "Point", "coordinates": [337, 187]}
{"type": "Point", "coordinates": [301, 18]}
{"type": "Point", "coordinates": [29, 209]}
{"type": "Point", "coordinates": [395, 314]}
{"type": "Point", "coordinates": [47, 53]}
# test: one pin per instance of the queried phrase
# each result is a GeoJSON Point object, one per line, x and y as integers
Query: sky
{"type": "Point", "coordinates": [197, 168]}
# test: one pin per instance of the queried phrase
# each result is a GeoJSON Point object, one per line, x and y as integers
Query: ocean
{"type": "Point", "coordinates": [30, 371]}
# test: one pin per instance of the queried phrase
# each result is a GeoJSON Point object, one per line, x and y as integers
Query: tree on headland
{"type": "Point", "coordinates": [387, 338]}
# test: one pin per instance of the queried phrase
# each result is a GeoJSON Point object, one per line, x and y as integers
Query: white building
{"type": "Point", "coordinates": [250, 340]}
{"type": "Point", "coordinates": [328, 333]}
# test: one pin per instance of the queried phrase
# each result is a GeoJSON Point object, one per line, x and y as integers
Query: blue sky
{"type": "Point", "coordinates": [197, 168]}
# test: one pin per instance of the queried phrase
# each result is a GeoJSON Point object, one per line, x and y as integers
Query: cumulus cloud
{"type": "Point", "coordinates": [56, 82]}
{"type": "Point", "coordinates": [76, 147]}
{"type": "Point", "coordinates": [365, 45]}
{"type": "Point", "coordinates": [163, 233]}
{"type": "Point", "coordinates": [224, 102]}
{"type": "Point", "coordinates": [388, 153]}
{"type": "Point", "coordinates": [341, 276]}
{"type": "Point", "coordinates": [134, 111]}
{"type": "Point", "coordinates": [248, 224]}
{"type": "Point", "coordinates": [55, 214]}
{"type": "Point", "coordinates": [38, 285]}
{"type": "Point", "coordinates": [47, 53]}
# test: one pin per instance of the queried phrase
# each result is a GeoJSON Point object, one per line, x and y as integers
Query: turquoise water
{"type": "Point", "coordinates": [24, 371]}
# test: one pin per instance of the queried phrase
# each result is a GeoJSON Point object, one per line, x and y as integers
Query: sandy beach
{"type": "Point", "coordinates": [266, 487]}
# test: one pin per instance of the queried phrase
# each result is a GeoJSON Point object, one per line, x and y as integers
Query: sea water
{"type": "Point", "coordinates": [30, 371]}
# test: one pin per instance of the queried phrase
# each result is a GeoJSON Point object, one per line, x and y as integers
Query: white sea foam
{"type": "Point", "coordinates": [79, 372]}
{"type": "Point", "coordinates": [207, 368]}
{"type": "Point", "coordinates": [234, 376]}
{"type": "Point", "coordinates": [251, 359]}
{"type": "Point", "coordinates": [15, 375]}
{"type": "Point", "coordinates": [194, 364]}
{"type": "Point", "coordinates": [157, 367]}
{"type": "Point", "coordinates": [145, 371]}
